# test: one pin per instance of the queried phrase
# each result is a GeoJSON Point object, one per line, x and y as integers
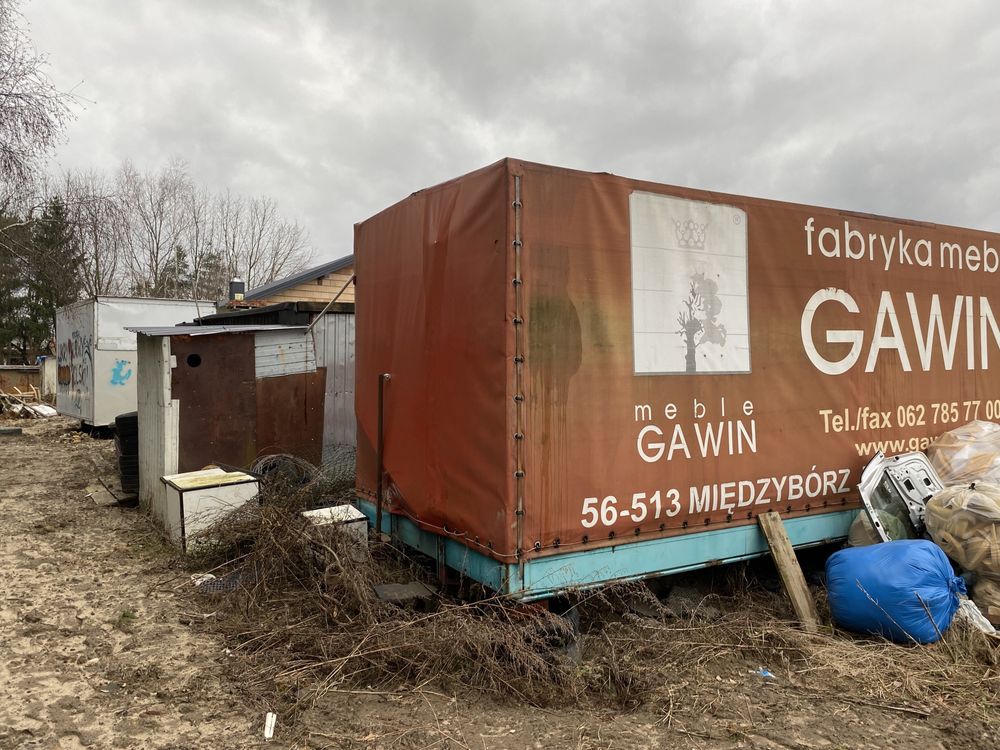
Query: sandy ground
{"type": "Point", "coordinates": [93, 652]}
{"type": "Point", "coordinates": [102, 644]}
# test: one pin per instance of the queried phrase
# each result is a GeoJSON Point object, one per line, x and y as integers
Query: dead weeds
{"type": "Point", "coordinates": [305, 615]}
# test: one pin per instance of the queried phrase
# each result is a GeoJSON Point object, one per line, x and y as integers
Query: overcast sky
{"type": "Point", "coordinates": [338, 109]}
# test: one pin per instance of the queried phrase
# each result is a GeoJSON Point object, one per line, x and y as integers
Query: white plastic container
{"type": "Point", "coordinates": [96, 357]}
{"type": "Point", "coordinates": [340, 519]}
{"type": "Point", "coordinates": [195, 500]}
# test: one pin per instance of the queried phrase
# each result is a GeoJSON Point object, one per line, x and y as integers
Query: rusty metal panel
{"type": "Point", "coordinates": [290, 414]}
{"type": "Point", "coordinates": [335, 338]}
{"type": "Point", "coordinates": [213, 380]}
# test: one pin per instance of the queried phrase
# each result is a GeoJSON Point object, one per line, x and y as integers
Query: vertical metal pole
{"type": "Point", "coordinates": [379, 449]}
{"type": "Point", "coordinates": [519, 346]}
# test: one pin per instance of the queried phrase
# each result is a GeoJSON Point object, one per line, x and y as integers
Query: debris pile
{"type": "Point", "coordinates": [314, 604]}
{"type": "Point", "coordinates": [25, 404]}
{"type": "Point", "coordinates": [951, 496]}
{"type": "Point", "coordinates": [296, 618]}
{"type": "Point", "coordinates": [964, 521]}
{"type": "Point", "coordinates": [314, 612]}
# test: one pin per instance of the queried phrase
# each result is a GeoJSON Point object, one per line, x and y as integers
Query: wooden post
{"type": "Point", "coordinates": [788, 567]}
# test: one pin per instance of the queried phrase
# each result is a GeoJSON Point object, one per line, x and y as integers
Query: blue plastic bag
{"type": "Point", "coordinates": [878, 589]}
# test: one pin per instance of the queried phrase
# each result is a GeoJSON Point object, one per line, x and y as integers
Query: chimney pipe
{"type": "Point", "coordinates": [236, 289]}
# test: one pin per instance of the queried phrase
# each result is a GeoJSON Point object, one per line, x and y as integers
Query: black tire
{"type": "Point", "coordinates": [127, 425]}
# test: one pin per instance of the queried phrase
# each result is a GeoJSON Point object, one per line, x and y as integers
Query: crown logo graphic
{"type": "Point", "coordinates": [690, 234]}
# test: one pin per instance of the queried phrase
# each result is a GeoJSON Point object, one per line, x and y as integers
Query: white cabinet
{"type": "Point", "coordinates": [195, 500]}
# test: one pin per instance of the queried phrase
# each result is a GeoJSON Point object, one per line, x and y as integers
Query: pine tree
{"type": "Point", "coordinates": [51, 278]}
{"type": "Point", "coordinates": [211, 281]}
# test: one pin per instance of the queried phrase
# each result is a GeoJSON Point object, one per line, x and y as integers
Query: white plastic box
{"type": "Point", "coordinates": [96, 362]}
{"type": "Point", "coordinates": [344, 519]}
{"type": "Point", "coordinates": [195, 500]}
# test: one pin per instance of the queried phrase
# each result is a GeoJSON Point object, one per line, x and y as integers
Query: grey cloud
{"type": "Point", "coordinates": [339, 109]}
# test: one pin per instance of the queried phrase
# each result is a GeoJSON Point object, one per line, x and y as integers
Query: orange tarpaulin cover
{"type": "Point", "coordinates": [623, 359]}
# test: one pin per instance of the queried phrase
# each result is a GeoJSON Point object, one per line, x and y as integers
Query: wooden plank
{"type": "Point", "coordinates": [321, 292]}
{"type": "Point", "coordinates": [788, 567]}
{"type": "Point", "coordinates": [317, 294]}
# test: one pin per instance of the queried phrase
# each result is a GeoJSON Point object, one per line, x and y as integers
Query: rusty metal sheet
{"type": "Point", "coordinates": [214, 382]}
{"type": "Point", "coordinates": [690, 359]}
{"type": "Point", "coordinates": [335, 350]}
{"type": "Point", "coordinates": [290, 414]}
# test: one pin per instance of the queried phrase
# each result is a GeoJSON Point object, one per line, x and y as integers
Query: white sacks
{"type": "Point", "coordinates": [963, 520]}
{"type": "Point", "coordinates": [970, 453]}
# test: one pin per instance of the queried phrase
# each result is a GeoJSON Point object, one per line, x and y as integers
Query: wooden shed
{"type": "Point", "coordinates": [333, 336]}
{"type": "Point", "coordinates": [225, 395]}
{"type": "Point", "coordinates": [21, 377]}
{"type": "Point", "coordinates": [317, 284]}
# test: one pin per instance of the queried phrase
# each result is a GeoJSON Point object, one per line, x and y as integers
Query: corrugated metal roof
{"type": "Point", "coordinates": [207, 330]}
{"type": "Point", "coordinates": [309, 274]}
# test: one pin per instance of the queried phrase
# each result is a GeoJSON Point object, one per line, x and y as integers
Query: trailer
{"type": "Point", "coordinates": [96, 356]}
{"type": "Point", "coordinates": [566, 379]}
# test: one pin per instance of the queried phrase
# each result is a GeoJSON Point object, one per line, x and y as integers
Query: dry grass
{"type": "Point", "coordinates": [644, 657]}
{"type": "Point", "coordinates": [307, 618]}
{"type": "Point", "coordinates": [307, 615]}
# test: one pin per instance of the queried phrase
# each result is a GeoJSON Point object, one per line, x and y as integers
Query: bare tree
{"type": "Point", "coordinates": [271, 247]}
{"type": "Point", "coordinates": [159, 234]}
{"type": "Point", "coordinates": [32, 111]}
{"type": "Point", "coordinates": [200, 241]}
{"type": "Point", "coordinates": [154, 211]}
{"type": "Point", "coordinates": [97, 217]}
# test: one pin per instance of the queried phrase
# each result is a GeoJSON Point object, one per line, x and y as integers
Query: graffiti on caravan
{"type": "Point", "coordinates": [74, 358]}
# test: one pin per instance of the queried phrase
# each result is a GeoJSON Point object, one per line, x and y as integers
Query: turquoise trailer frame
{"type": "Point", "coordinates": [550, 575]}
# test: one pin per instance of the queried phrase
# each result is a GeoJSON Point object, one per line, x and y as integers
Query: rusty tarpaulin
{"type": "Point", "coordinates": [658, 360]}
{"type": "Point", "coordinates": [431, 308]}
